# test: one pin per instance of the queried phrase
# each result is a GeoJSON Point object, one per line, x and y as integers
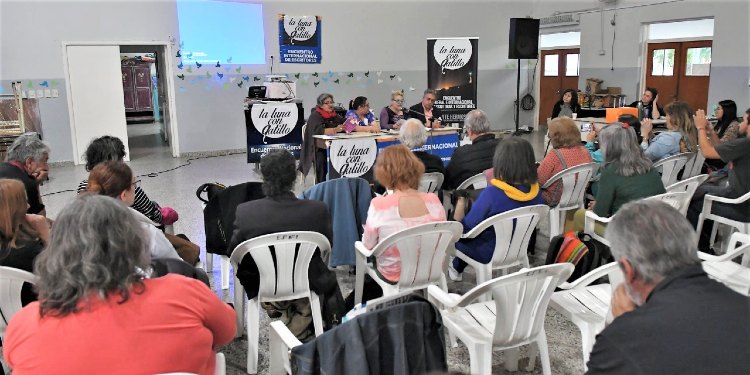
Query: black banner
{"type": "Point", "coordinates": [273, 125]}
{"type": "Point", "coordinates": [452, 70]}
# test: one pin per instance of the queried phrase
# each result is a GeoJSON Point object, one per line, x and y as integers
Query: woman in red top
{"type": "Point", "coordinates": [98, 314]}
{"type": "Point", "coordinates": [567, 151]}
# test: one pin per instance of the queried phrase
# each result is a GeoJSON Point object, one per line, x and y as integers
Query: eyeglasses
{"type": "Point", "coordinates": [398, 101]}
{"type": "Point", "coordinates": [136, 183]}
{"type": "Point", "coordinates": [327, 103]}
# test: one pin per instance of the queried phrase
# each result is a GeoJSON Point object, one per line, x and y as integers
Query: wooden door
{"type": "Point", "coordinates": [680, 71]}
{"type": "Point", "coordinates": [128, 88]}
{"type": "Point", "coordinates": [559, 71]}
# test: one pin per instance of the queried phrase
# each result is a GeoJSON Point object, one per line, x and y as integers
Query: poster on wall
{"type": "Point", "coordinates": [452, 70]}
{"type": "Point", "coordinates": [273, 125]}
{"type": "Point", "coordinates": [299, 39]}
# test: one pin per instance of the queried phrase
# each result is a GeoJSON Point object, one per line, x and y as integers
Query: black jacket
{"type": "Point", "coordinates": [432, 163]}
{"type": "Point", "coordinates": [372, 344]}
{"type": "Point", "coordinates": [469, 160]}
{"type": "Point", "coordinates": [417, 112]}
{"type": "Point", "coordinates": [689, 324]}
{"type": "Point", "coordinates": [647, 108]}
{"type": "Point", "coordinates": [218, 215]}
{"type": "Point", "coordinates": [283, 214]}
{"type": "Point", "coordinates": [316, 124]}
{"type": "Point", "coordinates": [12, 172]}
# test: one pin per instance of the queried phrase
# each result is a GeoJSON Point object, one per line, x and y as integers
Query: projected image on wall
{"type": "Point", "coordinates": [228, 32]}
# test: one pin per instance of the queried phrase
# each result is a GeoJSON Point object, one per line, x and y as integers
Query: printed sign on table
{"type": "Point", "coordinates": [273, 125]}
{"type": "Point", "coordinates": [452, 66]}
{"type": "Point", "coordinates": [352, 157]}
{"type": "Point", "coordinates": [299, 39]}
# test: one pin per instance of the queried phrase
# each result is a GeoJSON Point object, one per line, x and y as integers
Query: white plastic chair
{"type": "Point", "coordinates": [671, 166]}
{"type": "Point", "coordinates": [514, 317]}
{"type": "Point", "coordinates": [477, 181]}
{"type": "Point", "coordinates": [513, 230]}
{"type": "Point", "coordinates": [706, 214]}
{"type": "Point", "coordinates": [689, 185]}
{"type": "Point", "coordinates": [11, 281]}
{"type": "Point", "coordinates": [574, 182]}
{"type": "Point", "coordinates": [224, 268]}
{"type": "Point", "coordinates": [431, 182]}
{"type": "Point", "coordinates": [282, 280]}
{"type": "Point", "coordinates": [586, 305]}
{"type": "Point", "coordinates": [678, 200]}
{"type": "Point", "coordinates": [724, 270]}
{"type": "Point", "coordinates": [422, 252]}
{"type": "Point", "coordinates": [693, 166]}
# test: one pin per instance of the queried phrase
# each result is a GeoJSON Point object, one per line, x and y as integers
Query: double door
{"type": "Point", "coordinates": [136, 85]}
{"type": "Point", "coordinates": [680, 71]}
{"type": "Point", "coordinates": [559, 72]}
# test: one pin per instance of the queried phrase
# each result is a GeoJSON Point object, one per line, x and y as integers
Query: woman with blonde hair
{"type": "Point", "coordinates": [393, 115]}
{"type": "Point", "coordinates": [567, 152]}
{"type": "Point", "coordinates": [22, 236]}
{"type": "Point", "coordinates": [680, 136]}
{"type": "Point", "coordinates": [399, 171]}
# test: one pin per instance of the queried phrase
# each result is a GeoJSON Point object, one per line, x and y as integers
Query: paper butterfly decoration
{"type": "Point", "coordinates": [198, 64]}
{"type": "Point", "coordinates": [181, 76]}
{"type": "Point", "coordinates": [350, 75]}
{"type": "Point", "coordinates": [218, 64]}
{"type": "Point", "coordinates": [179, 66]}
{"type": "Point", "coordinates": [239, 69]}
{"type": "Point", "coordinates": [44, 84]}
{"type": "Point", "coordinates": [336, 81]}
{"type": "Point", "coordinates": [296, 76]}
{"type": "Point", "coordinates": [392, 77]}
{"type": "Point", "coordinates": [316, 83]}
{"type": "Point", "coordinates": [256, 79]}
{"type": "Point", "coordinates": [220, 75]}
{"type": "Point", "coordinates": [315, 74]}
{"type": "Point", "coordinates": [240, 84]}
{"type": "Point", "coordinates": [229, 60]}
{"type": "Point", "coordinates": [179, 54]}
{"type": "Point", "coordinates": [246, 78]}
{"type": "Point", "coordinates": [367, 74]}
{"type": "Point", "coordinates": [208, 75]}
{"type": "Point", "coordinates": [189, 69]}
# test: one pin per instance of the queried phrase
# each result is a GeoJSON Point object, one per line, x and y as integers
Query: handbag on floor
{"type": "Point", "coordinates": [585, 252]}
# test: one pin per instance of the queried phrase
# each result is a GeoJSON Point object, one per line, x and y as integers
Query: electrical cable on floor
{"type": "Point", "coordinates": [156, 174]}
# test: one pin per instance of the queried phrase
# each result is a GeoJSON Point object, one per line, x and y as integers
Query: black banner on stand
{"type": "Point", "coordinates": [452, 70]}
{"type": "Point", "coordinates": [273, 125]}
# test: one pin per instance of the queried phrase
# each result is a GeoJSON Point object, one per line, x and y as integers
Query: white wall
{"type": "Point", "coordinates": [358, 36]}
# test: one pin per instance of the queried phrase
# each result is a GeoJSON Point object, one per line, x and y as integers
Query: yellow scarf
{"type": "Point", "coordinates": [515, 194]}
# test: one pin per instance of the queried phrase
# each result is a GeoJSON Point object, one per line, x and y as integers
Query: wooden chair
{"type": "Point", "coordinates": [422, 251]}
{"type": "Point", "coordinates": [574, 181]}
{"type": "Point", "coordinates": [514, 316]}
{"type": "Point", "coordinates": [282, 279]}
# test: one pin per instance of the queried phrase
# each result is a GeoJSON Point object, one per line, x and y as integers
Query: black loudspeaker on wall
{"type": "Point", "coordinates": [524, 38]}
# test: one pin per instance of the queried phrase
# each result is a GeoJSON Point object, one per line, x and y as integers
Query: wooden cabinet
{"type": "Point", "coordinates": [136, 85]}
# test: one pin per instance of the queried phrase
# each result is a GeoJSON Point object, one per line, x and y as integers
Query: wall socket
{"type": "Point", "coordinates": [602, 52]}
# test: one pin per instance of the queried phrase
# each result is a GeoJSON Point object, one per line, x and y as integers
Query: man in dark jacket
{"type": "Point", "coordinates": [426, 111]}
{"type": "Point", "coordinates": [413, 135]}
{"type": "Point", "coordinates": [472, 159]}
{"type": "Point", "coordinates": [670, 318]}
{"type": "Point", "coordinates": [27, 162]}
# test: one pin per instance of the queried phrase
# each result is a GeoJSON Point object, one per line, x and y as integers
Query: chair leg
{"type": "Point", "coordinates": [209, 262]}
{"type": "Point", "coordinates": [480, 359]}
{"type": "Point", "coordinates": [276, 352]}
{"type": "Point", "coordinates": [554, 223]}
{"type": "Point", "coordinates": [533, 352]}
{"type": "Point", "coordinates": [221, 364]}
{"type": "Point", "coordinates": [239, 306]}
{"type": "Point", "coordinates": [253, 326]}
{"type": "Point", "coordinates": [484, 273]}
{"type": "Point", "coordinates": [316, 313]}
{"type": "Point", "coordinates": [511, 359]}
{"type": "Point", "coordinates": [359, 280]}
{"type": "Point", "coordinates": [224, 272]}
{"type": "Point", "coordinates": [544, 353]}
{"type": "Point", "coordinates": [588, 337]}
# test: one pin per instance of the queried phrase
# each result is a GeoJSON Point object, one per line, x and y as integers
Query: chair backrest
{"type": "Point", "coordinates": [477, 181]}
{"type": "Point", "coordinates": [521, 301]}
{"type": "Point", "coordinates": [688, 185]}
{"type": "Point", "coordinates": [574, 182]}
{"type": "Point", "coordinates": [694, 165]}
{"type": "Point", "coordinates": [422, 250]}
{"type": "Point", "coordinates": [431, 182]}
{"type": "Point", "coordinates": [286, 278]}
{"type": "Point", "coordinates": [678, 200]}
{"type": "Point", "coordinates": [671, 166]}
{"type": "Point", "coordinates": [513, 230]}
{"type": "Point", "coordinates": [11, 281]}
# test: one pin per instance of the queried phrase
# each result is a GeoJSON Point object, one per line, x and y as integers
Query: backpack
{"type": "Point", "coordinates": [580, 249]}
{"type": "Point", "coordinates": [218, 214]}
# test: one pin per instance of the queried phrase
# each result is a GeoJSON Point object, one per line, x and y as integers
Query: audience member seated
{"type": "Point", "coordinates": [726, 128]}
{"type": "Point", "coordinates": [648, 100]}
{"type": "Point", "coordinates": [626, 174]}
{"type": "Point", "coordinates": [393, 115]}
{"type": "Point", "coordinates": [108, 148]}
{"type": "Point", "coordinates": [567, 105]}
{"type": "Point", "coordinates": [567, 152]}
{"type": "Point", "coordinates": [398, 170]}
{"type": "Point", "coordinates": [736, 153]}
{"type": "Point", "coordinates": [596, 153]}
{"type": "Point", "coordinates": [281, 211]}
{"type": "Point", "coordinates": [359, 118]}
{"type": "Point", "coordinates": [413, 136]}
{"type": "Point", "coordinates": [26, 161]}
{"type": "Point", "coordinates": [514, 185]}
{"type": "Point", "coordinates": [426, 111]}
{"type": "Point", "coordinates": [665, 290]}
{"type": "Point", "coordinates": [115, 179]}
{"type": "Point", "coordinates": [675, 139]}
{"type": "Point", "coordinates": [472, 159]}
{"type": "Point", "coordinates": [323, 120]}
{"type": "Point", "coordinates": [97, 313]}
{"type": "Point", "coordinates": [22, 236]}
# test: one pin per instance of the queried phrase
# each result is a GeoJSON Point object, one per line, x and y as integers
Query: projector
{"type": "Point", "coordinates": [281, 89]}
{"type": "Point", "coordinates": [276, 78]}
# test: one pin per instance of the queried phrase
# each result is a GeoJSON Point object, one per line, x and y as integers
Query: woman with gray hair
{"type": "Point", "coordinates": [322, 120]}
{"type": "Point", "coordinates": [27, 162]}
{"type": "Point", "coordinates": [94, 298]}
{"type": "Point", "coordinates": [626, 174]}
{"type": "Point", "coordinates": [413, 135]}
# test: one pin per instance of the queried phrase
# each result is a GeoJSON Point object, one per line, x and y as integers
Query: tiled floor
{"type": "Point", "coordinates": [176, 188]}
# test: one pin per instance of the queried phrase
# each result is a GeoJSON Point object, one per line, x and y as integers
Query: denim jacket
{"type": "Point", "coordinates": [664, 144]}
